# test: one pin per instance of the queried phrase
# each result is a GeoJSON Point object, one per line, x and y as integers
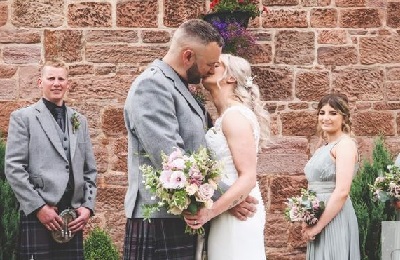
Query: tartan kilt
{"type": "Point", "coordinates": [160, 239]}
{"type": "Point", "coordinates": [37, 243]}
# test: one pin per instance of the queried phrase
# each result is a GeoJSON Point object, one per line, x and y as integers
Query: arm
{"type": "Point", "coordinates": [346, 157]}
{"type": "Point", "coordinates": [239, 135]}
{"type": "Point", "coordinates": [151, 114]}
{"type": "Point", "coordinates": [17, 164]}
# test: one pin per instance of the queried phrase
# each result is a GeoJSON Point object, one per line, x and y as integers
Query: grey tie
{"type": "Point", "coordinates": [59, 117]}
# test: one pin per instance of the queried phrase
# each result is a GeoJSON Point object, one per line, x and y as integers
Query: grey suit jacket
{"type": "Point", "coordinates": [160, 113]}
{"type": "Point", "coordinates": [36, 165]}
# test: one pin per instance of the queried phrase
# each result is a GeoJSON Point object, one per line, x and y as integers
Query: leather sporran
{"type": "Point", "coordinates": [65, 235]}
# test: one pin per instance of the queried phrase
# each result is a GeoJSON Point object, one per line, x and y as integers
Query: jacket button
{"type": "Point", "coordinates": [65, 139]}
{"type": "Point", "coordinates": [89, 198]}
{"type": "Point", "coordinates": [67, 167]}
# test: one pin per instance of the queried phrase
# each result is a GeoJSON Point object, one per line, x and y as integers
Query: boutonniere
{"type": "Point", "coordinates": [75, 122]}
{"type": "Point", "coordinates": [197, 93]}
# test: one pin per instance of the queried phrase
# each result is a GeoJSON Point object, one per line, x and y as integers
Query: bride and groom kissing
{"type": "Point", "coordinates": [161, 114]}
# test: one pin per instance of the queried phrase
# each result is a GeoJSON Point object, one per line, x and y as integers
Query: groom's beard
{"type": "Point", "coordinates": [193, 74]}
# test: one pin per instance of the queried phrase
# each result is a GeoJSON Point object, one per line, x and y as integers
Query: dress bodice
{"type": "Point", "coordinates": [217, 143]}
{"type": "Point", "coordinates": [321, 167]}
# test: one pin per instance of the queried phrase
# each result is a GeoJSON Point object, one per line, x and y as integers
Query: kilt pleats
{"type": "Point", "coordinates": [160, 239]}
{"type": "Point", "coordinates": [37, 243]}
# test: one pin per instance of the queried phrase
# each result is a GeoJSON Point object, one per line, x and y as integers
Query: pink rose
{"type": "Point", "coordinates": [206, 191]}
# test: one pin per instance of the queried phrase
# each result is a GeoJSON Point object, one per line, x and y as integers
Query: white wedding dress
{"type": "Point", "coordinates": [229, 237]}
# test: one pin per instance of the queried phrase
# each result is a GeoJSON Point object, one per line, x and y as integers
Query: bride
{"type": "Point", "coordinates": [241, 128]}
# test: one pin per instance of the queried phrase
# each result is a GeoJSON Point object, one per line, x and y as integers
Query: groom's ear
{"type": "Point", "coordinates": [188, 56]}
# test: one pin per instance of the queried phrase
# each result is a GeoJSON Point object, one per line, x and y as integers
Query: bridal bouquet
{"type": "Point", "coordinates": [186, 182]}
{"type": "Point", "coordinates": [306, 208]}
{"type": "Point", "coordinates": [387, 185]}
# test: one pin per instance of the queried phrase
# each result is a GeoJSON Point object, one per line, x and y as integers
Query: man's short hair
{"type": "Point", "coordinates": [196, 30]}
{"type": "Point", "coordinates": [54, 63]}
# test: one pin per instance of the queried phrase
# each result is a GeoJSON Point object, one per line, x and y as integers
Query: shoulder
{"type": "Point", "coordinates": [23, 111]}
{"type": "Point", "coordinates": [234, 120]}
{"type": "Point", "coordinates": [346, 145]}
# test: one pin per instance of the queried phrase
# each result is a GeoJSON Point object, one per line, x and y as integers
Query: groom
{"type": "Point", "coordinates": [160, 113]}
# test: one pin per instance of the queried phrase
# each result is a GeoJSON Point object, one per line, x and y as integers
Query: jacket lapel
{"type": "Point", "coordinates": [71, 132]}
{"type": "Point", "coordinates": [180, 87]}
{"type": "Point", "coordinates": [47, 122]}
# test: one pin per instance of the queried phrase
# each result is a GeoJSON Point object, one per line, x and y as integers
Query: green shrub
{"type": "Point", "coordinates": [370, 214]}
{"type": "Point", "coordinates": [9, 216]}
{"type": "Point", "coordinates": [98, 246]}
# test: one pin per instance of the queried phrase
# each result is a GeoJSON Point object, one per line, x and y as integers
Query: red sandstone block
{"type": "Point", "coordinates": [285, 19]}
{"type": "Point", "coordinates": [335, 37]}
{"type": "Point", "coordinates": [22, 54]}
{"type": "Point", "coordinates": [373, 123]}
{"type": "Point", "coordinates": [112, 36]}
{"type": "Point", "coordinates": [299, 123]}
{"type": "Point", "coordinates": [359, 18]}
{"type": "Point", "coordinates": [359, 84]}
{"type": "Point", "coordinates": [3, 13]}
{"type": "Point", "coordinates": [178, 11]}
{"type": "Point", "coordinates": [275, 82]}
{"type": "Point", "coordinates": [393, 14]}
{"type": "Point", "coordinates": [294, 47]}
{"type": "Point", "coordinates": [338, 56]}
{"type": "Point", "coordinates": [155, 36]}
{"type": "Point", "coordinates": [37, 13]}
{"type": "Point", "coordinates": [89, 14]}
{"type": "Point", "coordinates": [380, 49]}
{"type": "Point", "coordinates": [139, 14]}
{"type": "Point", "coordinates": [323, 18]}
{"type": "Point", "coordinates": [7, 71]}
{"type": "Point", "coordinates": [19, 36]}
{"type": "Point", "coordinates": [66, 45]}
{"type": "Point", "coordinates": [311, 85]}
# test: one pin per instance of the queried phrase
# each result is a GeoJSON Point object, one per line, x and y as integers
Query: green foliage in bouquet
{"type": "Point", "coordinates": [9, 216]}
{"type": "Point", "coordinates": [99, 246]}
{"type": "Point", "coordinates": [369, 213]}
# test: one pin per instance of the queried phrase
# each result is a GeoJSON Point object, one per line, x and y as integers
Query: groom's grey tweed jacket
{"type": "Point", "coordinates": [160, 113]}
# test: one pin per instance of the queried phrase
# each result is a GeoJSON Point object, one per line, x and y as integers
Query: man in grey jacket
{"type": "Point", "coordinates": [160, 113]}
{"type": "Point", "coordinates": [50, 166]}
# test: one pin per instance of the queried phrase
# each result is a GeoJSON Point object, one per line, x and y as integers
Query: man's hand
{"type": "Point", "coordinates": [245, 209]}
{"type": "Point", "coordinates": [80, 222]}
{"type": "Point", "coordinates": [49, 217]}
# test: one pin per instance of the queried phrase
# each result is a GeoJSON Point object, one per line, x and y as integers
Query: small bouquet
{"type": "Point", "coordinates": [184, 183]}
{"type": "Point", "coordinates": [387, 185]}
{"type": "Point", "coordinates": [306, 207]}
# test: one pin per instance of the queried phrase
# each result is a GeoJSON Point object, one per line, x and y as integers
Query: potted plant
{"type": "Point", "coordinates": [239, 11]}
{"type": "Point", "coordinates": [238, 40]}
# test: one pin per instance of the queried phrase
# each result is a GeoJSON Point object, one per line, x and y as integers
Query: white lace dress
{"type": "Point", "coordinates": [229, 237]}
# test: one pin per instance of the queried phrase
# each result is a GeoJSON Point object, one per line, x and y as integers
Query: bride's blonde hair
{"type": "Point", "coordinates": [247, 92]}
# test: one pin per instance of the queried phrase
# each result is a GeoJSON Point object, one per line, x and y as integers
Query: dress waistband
{"type": "Point", "coordinates": [322, 186]}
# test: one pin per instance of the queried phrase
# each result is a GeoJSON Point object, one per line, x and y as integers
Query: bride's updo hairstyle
{"type": "Point", "coordinates": [340, 103]}
{"type": "Point", "coordinates": [247, 92]}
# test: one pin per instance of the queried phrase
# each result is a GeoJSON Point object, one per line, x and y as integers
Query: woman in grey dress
{"type": "Point", "coordinates": [329, 173]}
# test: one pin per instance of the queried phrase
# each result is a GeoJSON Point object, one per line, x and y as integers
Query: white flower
{"type": "Point", "coordinates": [191, 189]}
{"type": "Point", "coordinates": [249, 81]}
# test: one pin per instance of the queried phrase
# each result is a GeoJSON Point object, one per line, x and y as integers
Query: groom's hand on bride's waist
{"type": "Point", "coordinates": [245, 209]}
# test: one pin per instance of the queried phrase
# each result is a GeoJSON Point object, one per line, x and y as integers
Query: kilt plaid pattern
{"type": "Point", "coordinates": [161, 239]}
{"type": "Point", "coordinates": [37, 243]}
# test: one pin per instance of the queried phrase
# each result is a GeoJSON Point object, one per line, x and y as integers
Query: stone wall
{"type": "Point", "coordinates": [305, 48]}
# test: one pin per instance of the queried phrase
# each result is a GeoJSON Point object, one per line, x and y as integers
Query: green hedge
{"type": "Point", "coordinates": [9, 217]}
{"type": "Point", "coordinates": [370, 214]}
{"type": "Point", "coordinates": [98, 246]}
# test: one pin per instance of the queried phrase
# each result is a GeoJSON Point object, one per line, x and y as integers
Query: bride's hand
{"type": "Point", "coordinates": [245, 209]}
{"type": "Point", "coordinates": [198, 220]}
